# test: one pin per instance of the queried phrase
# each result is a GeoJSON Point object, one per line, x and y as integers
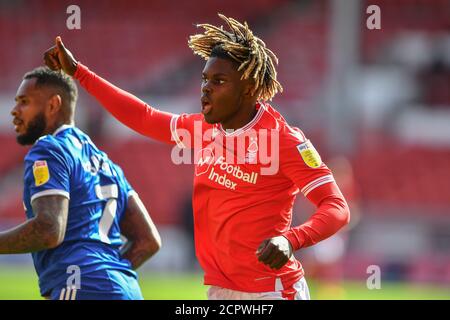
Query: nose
{"type": "Point", "coordinates": [206, 88]}
{"type": "Point", "coordinates": [15, 110]}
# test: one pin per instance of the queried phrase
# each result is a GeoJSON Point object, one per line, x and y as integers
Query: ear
{"type": "Point", "coordinates": [248, 88]}
{"type": "Point", "coordinates": [54, 105]}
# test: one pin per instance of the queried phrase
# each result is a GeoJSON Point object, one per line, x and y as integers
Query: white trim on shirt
{"type": "Point", "coordinates": [132, 193]}
{"type": "Point", "coordinates": [51, 192]}
{"type": "Point", "coordinates": [62, 128]}
{"type": "Point", "coordinates": [316, 183]}
{"type": "Point", "coordinates": [246, 127]}
{"type": "Point", "coordinates": [173, 131]}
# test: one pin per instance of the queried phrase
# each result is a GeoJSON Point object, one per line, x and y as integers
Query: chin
{"type": "Point", "coordinates": [25, 140]}
{"type": "Point", "coordinates": [210, 120]}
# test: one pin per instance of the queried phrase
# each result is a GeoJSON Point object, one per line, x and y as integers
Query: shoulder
{"type": "Point", "coordinates": [46, 148]}
{"type": "Point", "coordinates": [189, 121]}
{"type": "Point", "coordinates": [288, 135]}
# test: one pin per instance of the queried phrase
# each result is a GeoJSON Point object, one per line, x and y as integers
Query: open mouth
{"type": "Point", "coordinates": [17, 123]}
{"type": "Point", "coordinates": [206, 106]}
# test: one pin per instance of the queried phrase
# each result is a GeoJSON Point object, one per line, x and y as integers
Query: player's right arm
{"type": "Point", "coordinates": [45, 231]}
{"type": "Point", "coordinates": [124, 106]}
{"type": "Point", "coordinates": [143, 239]}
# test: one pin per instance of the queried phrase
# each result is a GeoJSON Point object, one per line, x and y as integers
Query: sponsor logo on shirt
{"type": "Point", "coordinates": [235, 171]}
{"type": "Point", "coordinates": [309, 154]}
{"type": "Point", "coordinates": [40, 172]}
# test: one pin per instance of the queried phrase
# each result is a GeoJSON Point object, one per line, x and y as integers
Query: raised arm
{"type": "Point", "coordinates": [45, 231]}
{"type": "Point", "coordinates": [143, 239]}
{"type": "Point", "coordinates": [124, 106]}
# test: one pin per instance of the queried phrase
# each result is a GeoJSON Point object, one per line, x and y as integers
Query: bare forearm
{"type": "Point", "coordinates": [143, 237]}
{"type": "Point", "coordinates": [30, 236]}
{"type": "Point", "coordinates": [137, 254]}
{"type": "Point", "coordinates": [45, 231]}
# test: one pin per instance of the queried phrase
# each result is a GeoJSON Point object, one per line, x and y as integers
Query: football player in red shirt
{"type": "Point", "coordinates": [249, 165]}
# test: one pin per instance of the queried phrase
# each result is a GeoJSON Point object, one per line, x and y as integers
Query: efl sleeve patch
{"type": "Point", "coordinates": [40, 172]}
{"type": "Point", "coordinates": [309, 154]}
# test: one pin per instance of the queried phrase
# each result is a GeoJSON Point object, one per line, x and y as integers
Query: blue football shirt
{"type": "Point", "coordinates": [68, 163]}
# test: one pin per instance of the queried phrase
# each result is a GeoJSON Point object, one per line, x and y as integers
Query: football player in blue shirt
{"type": "Point", "coordinates": [78, 202]}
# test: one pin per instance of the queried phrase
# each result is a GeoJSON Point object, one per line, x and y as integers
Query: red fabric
{"type": "Point", "coordinates": [125, 107]}
{"type": "Point", "coordinates": [331, 215]}
{"type": "Point", "coordinates": [240, 198]}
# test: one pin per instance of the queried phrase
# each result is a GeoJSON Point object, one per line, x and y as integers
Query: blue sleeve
{"type": "Point", "coordinates": [47, 171]}
{"type": "Point", "coordinates": [128, 188]}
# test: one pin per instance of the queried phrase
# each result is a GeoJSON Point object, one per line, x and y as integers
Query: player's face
{"type": "Point", "coordinates": [29, 117]}
{"type": "Point", "coordinates": [222, 92]}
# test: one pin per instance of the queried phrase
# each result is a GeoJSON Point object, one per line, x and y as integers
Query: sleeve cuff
{"type": "Point", "coordinates": [294, 238]}
{"type": "Point", "coordinates": [81, 69]}
{"type": "Point", "coordinates": [132, 193]}
{"type": "Point", "coordinates": [51, 192]}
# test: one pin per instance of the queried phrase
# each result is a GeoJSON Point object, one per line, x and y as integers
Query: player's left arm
{"type": "Point", "coordinates": [143, 239]}
{"type": "Point", "coordinates": [332, 214]}
{"type": "Point", "coordinates": [317, 184]}
{"type": "Point", "coordinates": [45, 231]}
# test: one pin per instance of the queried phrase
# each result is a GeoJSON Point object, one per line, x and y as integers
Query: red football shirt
{"type": "Point", "coordinates": [245, 185]}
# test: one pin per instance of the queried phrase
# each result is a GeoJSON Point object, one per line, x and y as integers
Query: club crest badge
{"type": "Point", "coordinates": [309, 154]}
{"type": "Point", "coordinates": [205, 159]}
{"type": "Point", "coordinates": [40, 172]}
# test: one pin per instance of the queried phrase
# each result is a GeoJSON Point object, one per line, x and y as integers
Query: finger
{"type": "Point", "coordinates": [51, 51]}
{"type": "Point", "coordinates": [273, 257]}
{"type": "Point", "coordinates": [54, 61]}
{"type": "Point", "coordinates": [60, 44]}
{"type": "Point", "coordinates": [279, 261]}
{"type": "Point", "coordinates": [262, 246]}
{"type": "Point", "coordinates": [267, 253]}
{"type": "Point", "coordinates": [49, 63]}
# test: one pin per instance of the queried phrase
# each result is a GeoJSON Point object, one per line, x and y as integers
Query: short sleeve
{"type": "Point", "coordinates": [129, 191]}
{"type": "Point", "coordinates": [301, 162]}
{"type": "Point", "coordinates": [47, 171]}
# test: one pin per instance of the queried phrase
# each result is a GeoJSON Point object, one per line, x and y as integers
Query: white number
{"type": "Point", "coordinates": [111, 193]}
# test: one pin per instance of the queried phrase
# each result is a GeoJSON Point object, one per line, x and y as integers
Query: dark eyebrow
{"type": "Point", "coordinates": [217, 74]}
{"type": "Point", "coordinates": [20, 97]}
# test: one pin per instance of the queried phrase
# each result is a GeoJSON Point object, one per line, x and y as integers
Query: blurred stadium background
{"type": "Point", "coordinates": [376, 104]}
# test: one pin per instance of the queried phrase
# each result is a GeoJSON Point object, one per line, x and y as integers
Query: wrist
{"type": "Point", "coordinates": [294, 240]}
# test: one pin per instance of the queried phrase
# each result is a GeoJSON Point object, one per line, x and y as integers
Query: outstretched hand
{"type": "Point", "coordinates": [275, 252]}
{"type": "Point", "coordinates": [58, 57]}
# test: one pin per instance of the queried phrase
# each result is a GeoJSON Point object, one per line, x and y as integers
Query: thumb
{"type": "Point", "coordinates": [59, 44]}
{"type": "Point", "coordinates": [262, 246]}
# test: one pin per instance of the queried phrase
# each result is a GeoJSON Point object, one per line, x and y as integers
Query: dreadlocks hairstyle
{"type": "Point", "coordinates": [250, 52]}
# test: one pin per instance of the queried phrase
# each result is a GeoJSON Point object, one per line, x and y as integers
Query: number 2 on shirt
{"type": "Point", "coordinates": [109, 192]}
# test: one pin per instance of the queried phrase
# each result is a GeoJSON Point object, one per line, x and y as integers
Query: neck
{"type": "Point", "coordinates": [57, 124]}
{"type": "Point", "coordinates": [241, 118]}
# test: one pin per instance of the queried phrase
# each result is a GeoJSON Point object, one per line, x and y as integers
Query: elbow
{"type": "Point", "coordinates": [51, 233]}
{"type": "Point", "coordinates": [150, 245]}
{"type": "Point", "coordinates": [57, 237]}
{"type": "Point", "coordinates": [340, 212]}
{"type": "Point", "coordinates": [154, 244]}
{"type": "Point", "coordinates": [53, 239]}
{"type": "Point", "coordinates": [344, 216]}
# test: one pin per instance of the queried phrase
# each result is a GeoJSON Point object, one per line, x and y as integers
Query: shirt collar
{"type": "Point", "coordinates": [260, 107]}
{"type": "Point", "coordinates": [62, 128]}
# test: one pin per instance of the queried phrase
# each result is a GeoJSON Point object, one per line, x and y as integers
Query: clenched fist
{"type": "Point", "coordinates": [275, 252]}
{"type": "Point", "coordinates": [58, 57]}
